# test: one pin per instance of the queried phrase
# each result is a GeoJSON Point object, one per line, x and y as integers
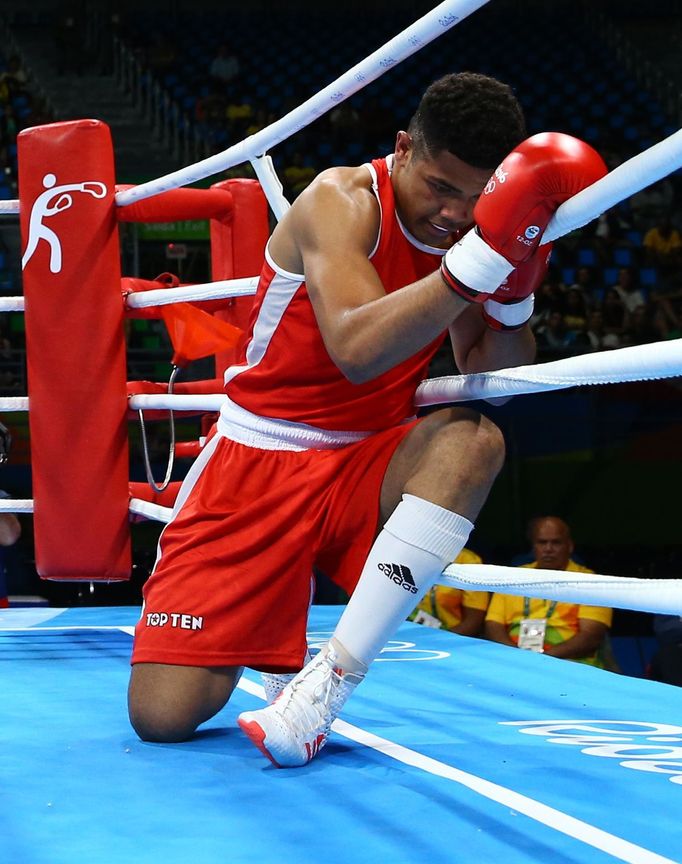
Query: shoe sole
{"type": "Point", "coordinates": [256, 736]}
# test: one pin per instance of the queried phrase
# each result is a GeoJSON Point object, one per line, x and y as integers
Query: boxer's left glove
{"type": "Point", "coordinates": [513, 212]}
{"type": "Point", "coordinates": [511, 306]}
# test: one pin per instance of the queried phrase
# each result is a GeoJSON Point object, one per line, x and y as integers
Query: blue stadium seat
{"type": "Point", "coordinates": [622, 257]}
{"type": "Point", "coordinates": [587, 258]}
{"type": "Point", "coordinates": [648, 276]}
{"type": "Point", "coordinates": [610, 276]}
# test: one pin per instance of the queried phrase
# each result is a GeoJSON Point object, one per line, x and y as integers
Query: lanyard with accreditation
{"type": "Point", "coordinates": [532, 630]}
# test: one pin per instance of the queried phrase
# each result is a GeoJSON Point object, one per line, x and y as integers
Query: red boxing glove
{"type": "Point", "coordinates": [511, 306]}
{"type": "Point", "coordinates": [516, 205]}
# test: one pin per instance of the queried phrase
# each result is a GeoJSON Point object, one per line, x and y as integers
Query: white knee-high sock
{"type": "Point", "coordinates": [417, 542]}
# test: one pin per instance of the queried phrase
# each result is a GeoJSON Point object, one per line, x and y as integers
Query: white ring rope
{"type": "Point", "coordinates": [195, 402]}
{"type": "Point", "coordinates": [9, 208]}
{"type": "Point", "coordinates": [12, 304]}
{"type": "Point", "coordinates": [632, 176]}
{"type": "Point", "coordinates": [222, 290]}
{"type": "Point", "coordinates": [16, 505]}
{"type": "Point", "coordinates": [13, 403]}
{"type": "Point", "coordinates": [139, 507]}
{"type": "Point", "coordinates": [425, 30]}
{"type": "Point", "coordinates": [655, 361]}
{"type": "Point", "coordinates": [190, 293]}
{"type": "Point", "coordinates": [622, 592]}
{"type": "Point", "coordinates": [637, 363]}
{"type": "Point", "coordinates": [270, 184]}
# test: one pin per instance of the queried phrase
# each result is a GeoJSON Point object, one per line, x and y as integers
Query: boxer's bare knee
{"type": "Point", "coordinates": [451, 458]}
{"type": "Point", "coordinates": [167, 703]}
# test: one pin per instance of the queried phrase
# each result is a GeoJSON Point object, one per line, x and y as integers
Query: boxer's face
{"type": "Point", "coordinates": [434, 195]}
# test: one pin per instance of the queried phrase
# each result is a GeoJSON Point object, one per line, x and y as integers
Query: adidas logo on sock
{"type": "Point", "coordinates": [401, 575]}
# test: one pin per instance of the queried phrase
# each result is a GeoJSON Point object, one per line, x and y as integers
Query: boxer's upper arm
{"type": "Point", "coordinates": [335, 232]}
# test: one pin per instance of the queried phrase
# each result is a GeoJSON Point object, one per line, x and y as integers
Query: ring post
{"type": "Point", "coordinates": [75, 351]}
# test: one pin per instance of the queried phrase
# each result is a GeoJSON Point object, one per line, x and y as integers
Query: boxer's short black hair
{"type": "Point", "coordinates": [473, 116]}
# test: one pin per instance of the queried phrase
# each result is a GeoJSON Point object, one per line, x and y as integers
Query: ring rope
{"type": "Point", "coordinates": [12, 304]}
{"type": "Point", "coordinates": [270, 184]}
{"type": "Point", "coordinates": [627, 179]}
{"type": "Point", "coordinates": [222, 290]}
{"type": "Point", "coordinates": [623, 592]}
{"type": "Point", "coordinates": [637, 363]}
{"type": "Point", "coordinates": [140, 507]}
{"type": "Point", "coordinates": [16, 505]}
{"type": "Point", "coordinates": [408, 42]}
{"type": "Point", "coordinates": [630, 177]}
{"type": "Point", "coordinates": [195, 402]}
{"type": "Point", "coordinates": [655, 361]}
{"type": "Point", "coordinates": [13, 403]}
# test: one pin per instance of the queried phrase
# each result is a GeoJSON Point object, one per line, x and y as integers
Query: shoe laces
{"type": "Point", "coordinates": [314, 709]}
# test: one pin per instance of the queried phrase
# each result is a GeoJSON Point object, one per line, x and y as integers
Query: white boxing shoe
{"type": "Point", "coordinates": [275, 682]}
{"type": "Point", "coordinates": [294, 729]}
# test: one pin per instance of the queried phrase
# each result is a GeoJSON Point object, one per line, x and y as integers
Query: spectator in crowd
{"type": "Point", "coordinates": [576, 311]}
{"type": "Point", "coordinates": [548, 299]}
{"type": "Point", "coordinates": [566, 630]}
{"type": "Point", "coordinates": [646, 324]}
{"type": "Point", "coordinates": [461, 612]}
{"type": "Point", "coordinates": [260, 120]}
{"type": "Point", "coordinates": [587, 282]}
{"type": "Point", "coordinates": [554, 337]}
{"type": "Point", "coordinates": [595, 330]}
{"type": "Point", "coordinates": [607, 233]}
{"type": "Point", "coordinates": [298, 173]}
{"type": "Point", "coordinates": [615, 319]}
{"type": "Point", "coordinates": [224, 69]}
{"type": "Point", "coordinates": [628, 289]}
{"type": "Point", "coordinates": [668, 305]}
{"type": "Point", "coordinates": [663, 246]}
{"type": "Point", "coordinates": [239, 114]}
{"type": "Point", "coordinates": [15, 76]}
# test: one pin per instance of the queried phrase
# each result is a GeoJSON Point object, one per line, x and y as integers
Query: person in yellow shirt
{"type": "Point", "coordinates": [566, 630]}
{"type": "Point", "coordinates": [452, 609]}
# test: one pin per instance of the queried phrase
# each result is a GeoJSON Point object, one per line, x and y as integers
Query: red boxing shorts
{"type": "Point", "coordinates": [233, 580]}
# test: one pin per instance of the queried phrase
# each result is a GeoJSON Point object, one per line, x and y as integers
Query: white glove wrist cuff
{"type": "Point", "coordinates": [511, 314]}
{"type": "Point", "coordinates": [475, 264]}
